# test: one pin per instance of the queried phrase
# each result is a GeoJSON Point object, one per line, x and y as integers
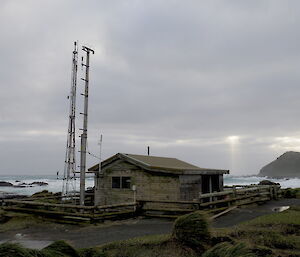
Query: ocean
{"type": "Point", "coordinates": [55, 185]}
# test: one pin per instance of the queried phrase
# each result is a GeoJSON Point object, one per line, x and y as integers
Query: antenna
{"type": "Point", "coordinates": [85, 120]}
{"type": "Point", "coordinates": [100, 152]}
{"type": "Point", "coordinates": [69, 186]}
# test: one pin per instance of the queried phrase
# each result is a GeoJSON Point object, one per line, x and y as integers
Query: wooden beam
{"type": "Point", "coordinates": [223, 212]}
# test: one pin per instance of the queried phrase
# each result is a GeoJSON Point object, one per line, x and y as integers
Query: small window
{"type": "Point", "coordinates": [126, 182]}
{"type": "Point", "coordinates": [116, 182]}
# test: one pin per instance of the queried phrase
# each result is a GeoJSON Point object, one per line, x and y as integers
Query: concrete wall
{"type": "Point", "coordinates": [190, 186]}
{"type": "Point", "coordinates": [148, 186]}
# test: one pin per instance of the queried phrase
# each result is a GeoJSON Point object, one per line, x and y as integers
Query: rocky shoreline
{"type": "Point", "coordinates": [22, 184]}
{"type": "Point", "coordinates": [9, 195]}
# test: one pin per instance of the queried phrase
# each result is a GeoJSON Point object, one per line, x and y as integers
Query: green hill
{"type": "Point", "coordinates": [285, 166]}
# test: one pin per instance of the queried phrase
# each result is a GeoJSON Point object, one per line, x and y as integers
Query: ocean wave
{"type": "Point", "coordinates": [230, 180]}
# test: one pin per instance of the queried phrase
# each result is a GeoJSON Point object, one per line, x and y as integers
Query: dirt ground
{"type": "Point", "coordinates": [43, 234]}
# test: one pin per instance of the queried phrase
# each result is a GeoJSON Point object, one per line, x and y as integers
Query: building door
{"type": "Point", "coordinates": [205, 184]}
{"type": "Point", "coordinates": [210, 183]}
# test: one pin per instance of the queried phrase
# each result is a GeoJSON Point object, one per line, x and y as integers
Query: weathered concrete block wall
{"type": "Point", "coordinates": [190, 187]}
{"type": "Point", "coordinates": [148, 186]}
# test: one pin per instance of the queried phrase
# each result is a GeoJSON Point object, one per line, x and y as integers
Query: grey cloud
{"type": "Point", "coordinates": [180, 76]}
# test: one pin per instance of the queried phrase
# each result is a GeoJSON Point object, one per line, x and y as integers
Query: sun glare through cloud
{"type": "Point", "coordinates": [233, 142]}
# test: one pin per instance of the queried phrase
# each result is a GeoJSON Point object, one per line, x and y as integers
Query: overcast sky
{"type": "Point", "coordinates": [214, 83]}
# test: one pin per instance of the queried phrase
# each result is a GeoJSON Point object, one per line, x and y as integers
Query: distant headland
{"type": "Point", "coordinates": [285, 166]}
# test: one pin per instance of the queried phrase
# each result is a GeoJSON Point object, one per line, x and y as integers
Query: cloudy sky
{"type": "Point", "coordinates": [214, 83]}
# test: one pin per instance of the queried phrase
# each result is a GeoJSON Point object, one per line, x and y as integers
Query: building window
{"type": "Point", "coordinates": [116, 182]}
{"type": "Point", "coordinates": [125, 182]}
{"type": "Point", "coordinates": [121, 182]}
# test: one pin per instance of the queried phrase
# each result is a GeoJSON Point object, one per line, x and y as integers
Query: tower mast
{"type": "Point", "coordinates": [69, 188]}
{"type": "Point", "coordinates": [84, 129]}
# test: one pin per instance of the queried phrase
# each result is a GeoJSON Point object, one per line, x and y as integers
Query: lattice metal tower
{"type": "Point", "coordinates": [69, 180]}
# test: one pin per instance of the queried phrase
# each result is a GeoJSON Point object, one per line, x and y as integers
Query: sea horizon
{"type": "Point", "coordinates": [55, 185]}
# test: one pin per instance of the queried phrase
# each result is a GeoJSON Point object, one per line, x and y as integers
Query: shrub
{"type": "Point", "coordinates": [291, 193]}
{"type": "Point", "coordinates": [192, 230]}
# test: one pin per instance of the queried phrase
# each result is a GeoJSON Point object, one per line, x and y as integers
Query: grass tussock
{"type": "Point", "coordinates": [60, 249]}
{"type": "Point", "coordinates": [192, 230]}
{"type": "Point", "coordinates": [228, 250]}
{"type": "Point", "coordinates": [57, 249]}
{"type": "Point", "coordinates": [9, 250]}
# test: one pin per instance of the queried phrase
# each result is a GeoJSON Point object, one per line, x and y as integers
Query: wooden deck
{"type": "Point", "coordinates": [212, 203]}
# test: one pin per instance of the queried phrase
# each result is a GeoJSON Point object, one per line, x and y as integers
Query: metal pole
{"type": "Point", "coordinates": [84, 129]}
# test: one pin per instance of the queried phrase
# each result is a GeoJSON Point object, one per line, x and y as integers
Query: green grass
{"type": "Point", "coordinates": [279, 232]}
{"type": "Point", "coordinates": [18, 221]}
{"type": "Point", "coordinates": [146, 246]}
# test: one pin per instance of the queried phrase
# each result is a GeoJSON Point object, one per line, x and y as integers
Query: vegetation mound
{"type": "Point", "coordinates": [60, 248]}
{"type": "Point", "coordinates": [192, 230]}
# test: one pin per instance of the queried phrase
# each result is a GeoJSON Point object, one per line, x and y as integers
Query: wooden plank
{"type": "Point", "coordinates": [175, 202]}
{"type": "Point", "coordinates": [228, 200]}
{"type": "Point", "coordinates": [161, 216]}
{"type": "Point", "coordinates": [50, 204]}
{"type": "Point", "coordinates": [45, 212]}
{"type": "Point", "coordinates": [226, 192]}
{"type": "Point", "coordinates": [223, 212]}
{"type": "Point", "coordinates": [100, 207]}
{"type": "Point", "coordinates": [168, 210]}
{"type": "Point", "coordinates": [66, 206]}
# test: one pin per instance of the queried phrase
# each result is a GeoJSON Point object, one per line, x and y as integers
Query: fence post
{"type": "Point", "coordinates": [234, 191]}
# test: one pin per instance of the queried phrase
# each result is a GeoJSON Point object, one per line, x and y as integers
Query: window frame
{"type": "Point", "coordinates": [113, 182]}
{"type": "Point", "coordinates": [121, 182]}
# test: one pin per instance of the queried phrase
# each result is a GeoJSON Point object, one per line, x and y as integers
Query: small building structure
{"type": "Point", "coordinates": [127, 177]}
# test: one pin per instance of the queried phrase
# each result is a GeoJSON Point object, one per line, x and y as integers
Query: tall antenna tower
{"type": "Point", "coordinates": [85, 120]}
{"type": "Point", "coordinates": [69, 183]}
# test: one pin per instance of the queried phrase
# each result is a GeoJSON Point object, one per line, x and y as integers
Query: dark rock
{"type": "Point", "coordinates": [39, 183]}
{"type": "Point", "coordinates": [285, 166]}
{"type": "Point", "coordinates": [268, 183]}
{"type": "Point", "coordinates": [5, 184]}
